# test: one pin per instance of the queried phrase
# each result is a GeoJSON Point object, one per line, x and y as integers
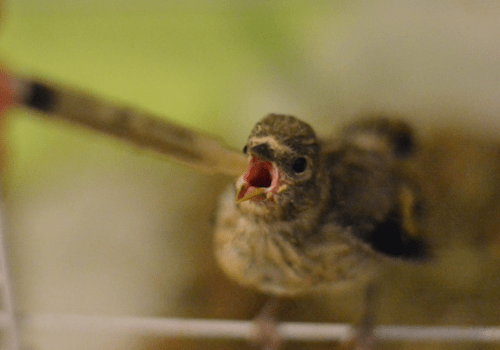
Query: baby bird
{"type": "Point", "coordinates": [310, 213]}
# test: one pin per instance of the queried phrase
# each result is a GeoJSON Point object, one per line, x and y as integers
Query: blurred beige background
{"type": "Point", "coordinates": [98, 227]}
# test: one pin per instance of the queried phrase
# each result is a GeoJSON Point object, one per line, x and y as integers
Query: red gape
{"type": "Point", "coordinates": [260, 182]}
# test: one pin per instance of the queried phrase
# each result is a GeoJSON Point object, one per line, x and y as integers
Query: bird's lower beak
{"type": "Point", "coordinates": [252, 194]}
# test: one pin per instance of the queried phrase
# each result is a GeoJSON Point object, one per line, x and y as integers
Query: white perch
{"type": "Point", "coordinates": [233, 329]}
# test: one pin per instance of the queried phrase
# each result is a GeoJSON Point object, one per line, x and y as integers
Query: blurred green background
{"type": "Point", "coordinates": [98, 227]}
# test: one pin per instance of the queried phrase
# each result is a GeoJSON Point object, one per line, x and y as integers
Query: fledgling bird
{"type": "Point", "coordinates": [311, 213]}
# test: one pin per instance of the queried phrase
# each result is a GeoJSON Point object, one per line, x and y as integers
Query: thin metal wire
{"type": "Point", "coordinates": [7, 316]}
{"type": "Point", "coordinates": [229, 329]}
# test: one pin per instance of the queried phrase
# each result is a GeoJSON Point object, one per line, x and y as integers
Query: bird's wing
{"type": "Point", "coordinates": [135, 126]}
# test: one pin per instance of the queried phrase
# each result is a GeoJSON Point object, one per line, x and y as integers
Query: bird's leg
{"type": "Point", "coordinates": [364, 337]}
{"type": "Point", "coordinates": [266, 332]}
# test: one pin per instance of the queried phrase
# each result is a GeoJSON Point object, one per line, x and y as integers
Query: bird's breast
{"type": "Point", "coordinates": [265, 256]}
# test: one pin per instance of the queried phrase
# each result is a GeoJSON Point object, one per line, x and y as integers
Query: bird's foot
{"type": "Point", "coordinates": [266, 333]}
{"type": "Point", "coordinates": [364, 337]}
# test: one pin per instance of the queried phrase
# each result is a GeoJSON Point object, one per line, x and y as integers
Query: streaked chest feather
{"type": "Point", "coordinates": [265, 256]}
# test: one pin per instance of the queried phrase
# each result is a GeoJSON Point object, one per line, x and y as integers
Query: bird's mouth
{"type": "Point", "coordinates": [260, 182]}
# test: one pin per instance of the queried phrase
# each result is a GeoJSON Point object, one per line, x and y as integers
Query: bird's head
{"type": "Point", "coordinates": [283, 155]}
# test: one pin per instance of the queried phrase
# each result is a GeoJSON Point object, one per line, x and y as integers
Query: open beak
{"type": "Point", "coordinates": [260, 182]}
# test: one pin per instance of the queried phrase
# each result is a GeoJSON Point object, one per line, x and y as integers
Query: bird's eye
{"type": "Point", "coordinates": [299, 165]}
{"type": "Point", "coordinates": [245, 149]}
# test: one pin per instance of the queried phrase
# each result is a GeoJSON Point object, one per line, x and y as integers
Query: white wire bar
{"type": "Point", "coordinates": [7, 316]}
{"type": "Point", "coordinates": [229, 329]}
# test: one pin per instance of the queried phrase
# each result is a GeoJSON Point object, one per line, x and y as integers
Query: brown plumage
{"type": "Point", "coordinates": [309, 213]}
